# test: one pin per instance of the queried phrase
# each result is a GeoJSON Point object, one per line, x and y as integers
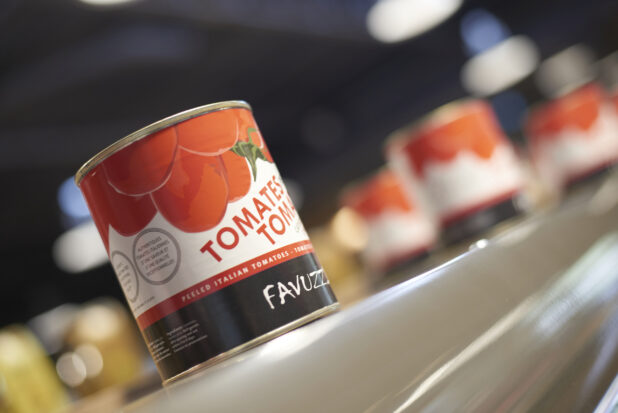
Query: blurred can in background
{"type": "Point", "coordinates": [573, 137]}
{"type": "Point", "coordinates": [28, 381]}
{"type": "Point", "coordinates": [465, 166]}
{"type": "Point", "coordinates": [101, 349]}
{"type": "Point", "coordinates": [398, 229]}
{"type": "Point", "coordinates": [209, 250]}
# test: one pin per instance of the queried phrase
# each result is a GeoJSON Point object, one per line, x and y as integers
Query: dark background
{"type": "Point", "coordinates": [75, 78]}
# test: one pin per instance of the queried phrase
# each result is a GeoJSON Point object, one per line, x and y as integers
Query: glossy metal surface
{"type": "Point", "coordinates": [525, 322]}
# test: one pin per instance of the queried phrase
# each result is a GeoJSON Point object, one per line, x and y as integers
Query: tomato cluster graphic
{"type": "Point", "coordinates": [188, 172]}
{"type": "Point", "coordinates": [470, 127]}
{"type": "Point", "coordinates": [378, 194]}
{"type": "Point", "coordinates": [578, 109]}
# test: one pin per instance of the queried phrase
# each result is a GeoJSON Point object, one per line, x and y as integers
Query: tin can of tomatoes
{"type": "Point", "coordinates": [399, 229]}
{"type": "Point", "coordinates": [465, 166]}
{"type": "Point", "coordinates": [573, 137]}
{"type": "Point", "coordinates": [207, 246]}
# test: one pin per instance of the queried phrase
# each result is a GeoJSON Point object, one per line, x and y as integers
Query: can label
{"type": "Point", "coordinates": [470, 181]}
{"type": "Point", "coordinates": [209, 250]}
{"type": "Point", "coordinates": [463, 163]}
{"type": "Point", "coordinates": [159, 276]}
{"type": "Point", "coordinates": [573, 136]}
{"type": "Point", "coordinates": [399, 228]}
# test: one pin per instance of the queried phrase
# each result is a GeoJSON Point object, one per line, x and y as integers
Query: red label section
{"type": "Point", "coordinates": [470, 126]}
{"type": "Point", "coordinates": [378, 194]}
{"type": "Point", "coordinates": [222, 280]}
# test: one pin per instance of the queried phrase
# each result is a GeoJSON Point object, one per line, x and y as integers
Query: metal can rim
{"type": "Point", "coordinates": [152, 128]}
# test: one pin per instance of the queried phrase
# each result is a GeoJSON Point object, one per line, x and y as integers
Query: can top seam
{"type": "Point", "coordinates": [152, 128]}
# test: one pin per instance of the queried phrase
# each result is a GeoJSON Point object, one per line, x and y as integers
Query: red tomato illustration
{"type": "Point", "coordinates": [210, 134]}
{"type": "Point", "coordinates": [378, 194]}
{"type": "Point", "coordinates": [144, 165]}
{"type": "Point", "coordinates": [195, 196]}
{"type": "Point", "coordinates": [578, 109]}
{"type": "Point", "coordinates": [245, 119]}
{"type": "Point", "coordinates": [388, 187]}
{"type": "Point", "coordinates": [238, 175]}
{"type": "Point", "coordinates": [472, 127]}
{"type": "Point", "coordinates": [126, 214]}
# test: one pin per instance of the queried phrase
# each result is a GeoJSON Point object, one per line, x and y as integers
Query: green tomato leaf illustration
{"type": "Point", "coordinates": [250, 151]}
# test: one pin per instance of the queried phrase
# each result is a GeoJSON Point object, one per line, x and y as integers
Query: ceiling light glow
{"type": "Point", "coordinates": [71, 201]}
{"type": "Point", "coordinates": [481, 30]}
{"type": "Point", "coordinates": [391, 21]}
{"type": "Point", "coordinates": [79, 249]}
{"type": "Point", "coordinates": [500, 67]}
{"type": "Point", "coordinates": [566, 70]}
{"type": "Point", "coordinates": [105, 3]}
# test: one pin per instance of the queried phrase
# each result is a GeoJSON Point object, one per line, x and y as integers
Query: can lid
{"type": "Point", "coordinates": [152, 128]}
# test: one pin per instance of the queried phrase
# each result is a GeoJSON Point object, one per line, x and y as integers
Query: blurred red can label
{"type": "Point", "coordinates": [573, 136]}
{"type": "Point", "coordinates": [399, 229]}
{"type": "Point", "coordinates": [460, 159]}
{"type": "Point", "coordinates": [202, 234]}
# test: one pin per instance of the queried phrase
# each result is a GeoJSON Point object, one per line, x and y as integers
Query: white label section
{"type": "Point", "coordinates": [411, 185]}
{"type": "Point", "coordinates": [162, 260]}
{"type": "Point", "coordinates": [394, 233]}
{"type": "Point", "coordinates": [469, 180]}
{"type": "Point", "coordinates": [573, 151]}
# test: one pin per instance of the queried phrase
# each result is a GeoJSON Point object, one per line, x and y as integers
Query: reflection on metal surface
{"type": "Point", "coordinates": [451, 366]}
{"type": "Point", "coordinates": [292, 342]}
{"type": "Point", "coordinates": [527, 323]}
{"type": "Point", "coordinates": [529, 331]}
{"type": "Point", "coordinates": [519, 234]}
{"type": "Point", "coordinates": [480, 244]}
{"type": "Point", "coordinates": [606, 197]}
{"type": "Point", "coordinates": [609, 403]}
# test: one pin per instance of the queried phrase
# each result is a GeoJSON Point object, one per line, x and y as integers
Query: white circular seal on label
{"type": "Point", "coordinates": [157, 255]}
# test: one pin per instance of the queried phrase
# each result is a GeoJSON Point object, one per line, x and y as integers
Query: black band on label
{"type": "Point", "coordinates": [480, 221]}
{"type": "Point", "coordinates": [237, 314]}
